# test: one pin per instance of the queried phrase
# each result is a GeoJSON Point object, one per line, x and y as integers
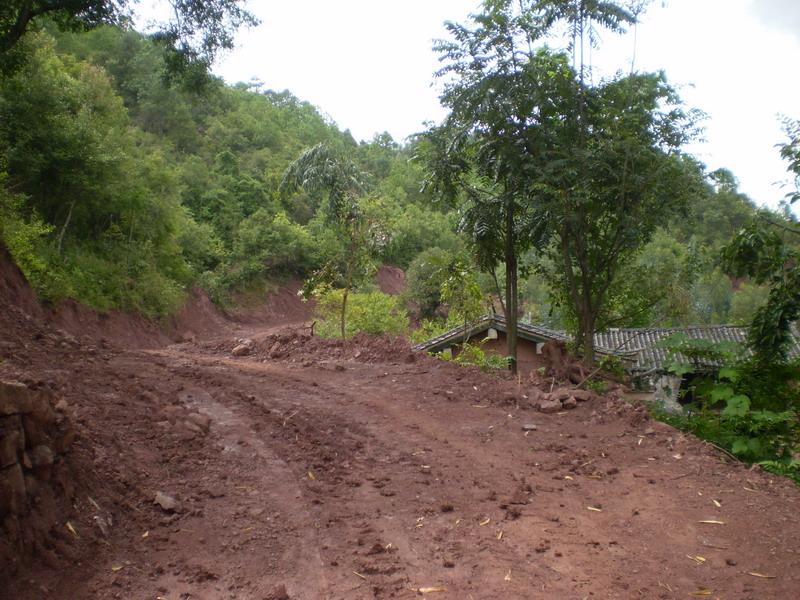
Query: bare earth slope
{"type": "Point", "coordinates": [316, 470]}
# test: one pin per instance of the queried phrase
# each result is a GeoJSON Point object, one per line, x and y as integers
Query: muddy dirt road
{"type": "Point", "coordinates": [309, 470]}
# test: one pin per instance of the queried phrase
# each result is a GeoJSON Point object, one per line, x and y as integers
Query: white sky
{"type": "Point", "coordinates": [368, 64]}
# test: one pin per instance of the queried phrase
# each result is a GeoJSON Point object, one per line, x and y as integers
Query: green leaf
{"type": "Point", "coordinates": [679, 368]}
{"type": "Point", "coordinates": [738, 406]}
{"type": "Point", "coordinates": [729, 374]}
{"type": "Point", "coordinates": [721, 393]}
{"type": "Point", "coordinates": [740, 446]}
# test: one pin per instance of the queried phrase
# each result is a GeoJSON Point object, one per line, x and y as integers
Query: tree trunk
{"type": "Point", "coordinates": [344, 310]}
{"type": "Point", "coordinates": [587, 322]}
{"type": "Point", "coordinates": [499, 294]}
{"type": "Point", "coordinates": [64, 228]}
{"type": "Point", "coordinates": [511, 288]}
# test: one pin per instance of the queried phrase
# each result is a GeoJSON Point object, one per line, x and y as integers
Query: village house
{"type": "Point", "coordinates": [640, 350]}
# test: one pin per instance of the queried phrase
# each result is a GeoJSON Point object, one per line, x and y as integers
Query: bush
{"type": "Point", "coordinates": [272, 244]}
{"type": "Point", "coordinates": [745, 407]}
{"type": "Point", "coordinates": [373, 312]}
{"type": "Point", "coordinates": [424, 278]}
{"type": "Point", "coordinates": [475, 355]}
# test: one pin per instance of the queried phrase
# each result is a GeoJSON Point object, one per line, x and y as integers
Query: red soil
{"type": "Point", "coordinates": [357, 470]}
{"type": "Point", "coordinates": [391, 280]}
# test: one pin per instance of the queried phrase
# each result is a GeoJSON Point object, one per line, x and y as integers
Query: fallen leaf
{"type": "Point", "coordinates": [569, 478]}
{"type": "Point", "coordinates": [508, 576]}
{"type": "Point", "coordinates": [716, 503]}
{"type": "Point", "coordinates": [486, 522]}
{"type": "Point", "coordinates": [146, 534]}
{"type": "Point", "coordinates": [116, 568]}
{"type": "Point", "coordinates": [701, 592]}
{"type": "Point", "coordinates": [761, 575]}
{"type": "Point", "coordinates": [594, 508]}
{"type": "Point", "coordinates": [710, 522]}
{"type": "Point", "coordinates": [698, 559]}
{"type": "Point", "coordinates": [311, 476]}
{"type": "Point", "coordinates": [71, 529]}
{"type": "Point", "coordinates": [500, 536]}
{"type": "Point", "coordinates": [431, 590]}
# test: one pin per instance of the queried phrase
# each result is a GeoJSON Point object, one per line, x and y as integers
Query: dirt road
{"type": "Point", "coordinates": [360, 471]}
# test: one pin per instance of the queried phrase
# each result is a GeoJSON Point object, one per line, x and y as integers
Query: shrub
{"type": "Point", "coordinates": [424, 277]}
{"type": "Point", "coordinates": [268, 243]}
{"type": "Point", "coordinates": [745, 406]}
{"type": "Point", "coordinates": [372, 312]}
{"type": "Point", "coordinates": [475, 355]}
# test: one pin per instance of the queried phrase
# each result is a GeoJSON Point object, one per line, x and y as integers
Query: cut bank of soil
{"type": "Point", "coordinates": [357, 471]}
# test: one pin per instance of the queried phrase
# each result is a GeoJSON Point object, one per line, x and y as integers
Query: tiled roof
{"type": "Point", "coordinates": [650, 355]}
{"type": "Point", "coordinates": [525, 331]}
{"type": "Point", "coordinates": [641, 346]}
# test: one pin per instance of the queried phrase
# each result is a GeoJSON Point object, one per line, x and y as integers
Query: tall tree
{"type": "Point", "coordinates": [613, 176]}
{"type": "Point", "coordinates": [195, 33]}
{"type": "Point", "coordinates": [327, 171]}
{"type": "Point", "coordinates": [498, 91]}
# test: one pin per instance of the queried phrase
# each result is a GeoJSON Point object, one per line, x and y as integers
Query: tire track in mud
{"type": "Point", "coordinates": [414, 520]}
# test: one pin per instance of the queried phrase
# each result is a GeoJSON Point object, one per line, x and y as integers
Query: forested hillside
{"type": "Point", "coordinates": [124, 188]}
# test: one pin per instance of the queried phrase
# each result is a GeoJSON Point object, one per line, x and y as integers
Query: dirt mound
{"type": "Point", "coordinates": [199, 317]}
{"type": "Point", "coordinates": [297, 344]}
{"type": "Point", "coordinates": [15, 293]}
{"type": "Point", "coordinates": [391, 280]}
{"type": "Point", "coordinates": [283, 305]}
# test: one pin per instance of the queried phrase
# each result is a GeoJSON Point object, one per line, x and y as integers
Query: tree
{"type": "Point", "coordinates": [613, 176]}
{"type": "Point", "coordinates": [766, 250]}
{"type": "Point", "coordinates": [540, 155]}
{"type": "Point", "coordinates": [461, 292]}
{"type": "Point", "coordinates": [483, 154]}
{"type": "Point", "coordinates": [325, 170]}
{"type": "Point", "coordinates": [197, 31]}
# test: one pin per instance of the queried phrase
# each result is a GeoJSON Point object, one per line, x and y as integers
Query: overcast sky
{"type": "Point", "coordinates": [368, 64]}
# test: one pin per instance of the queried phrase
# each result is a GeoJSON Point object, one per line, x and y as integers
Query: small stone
{"type": "Point", "coordinates": [570, 403]}
{"type": "Point", "coordinates": [730, 562]}
{"type": "Point", "coordinates": [167, 502]}
{"type": "Point", "coordinates": [241, 350]}
{"type": "Point", "coordinates": [561, 394]}
{"type": "Point", "coordinates": [529, 427]}
{"type": "Point", "coordinates": [550, 406]}
{"type": "Point", "coordinates": [582, 395]}
{"type": "Point", "coordinates": [202, 421]}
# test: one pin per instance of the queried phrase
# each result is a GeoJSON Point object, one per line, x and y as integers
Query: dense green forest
{"type": "Point", "coordinates": [123, 189]}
